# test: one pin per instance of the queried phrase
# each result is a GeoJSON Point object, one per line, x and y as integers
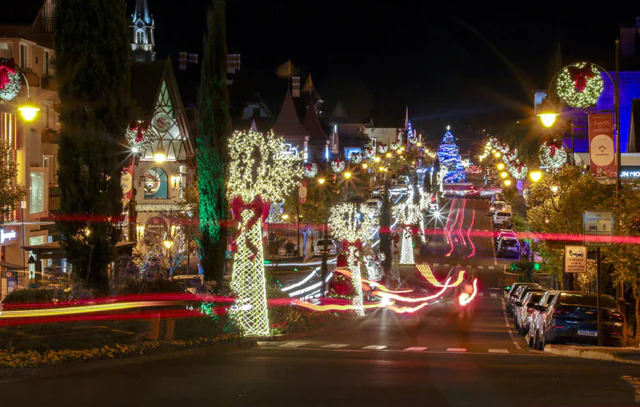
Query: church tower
{"type": "Point", "coordinates": [143, 42]}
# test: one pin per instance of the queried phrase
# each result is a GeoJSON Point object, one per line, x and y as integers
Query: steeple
{"type": "Point", "coordinates": [142, 26]}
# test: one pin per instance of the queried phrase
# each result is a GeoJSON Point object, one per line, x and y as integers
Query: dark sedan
{"type": "Point", "coordinates": [572, 317]}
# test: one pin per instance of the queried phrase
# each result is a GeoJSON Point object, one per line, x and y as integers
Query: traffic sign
{"type": "Point", "coordinates": [575, 259]}
{"type": "Point", "coordinates": [598, 228]}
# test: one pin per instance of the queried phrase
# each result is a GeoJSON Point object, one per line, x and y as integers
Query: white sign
{"type": "Point", "coordinates": [630, 174]}
{"type": "Point", "coordinates": [575, 259]}
{"type": "Point", "coordinates": [602, 150]}
{"type": "Point", "coordinates": [7, 235]}
{"type": "Point", "coordinates": [598, 224]}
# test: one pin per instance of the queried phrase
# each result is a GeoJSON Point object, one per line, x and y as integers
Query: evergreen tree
{"type": "Point", "coordinates": [214, 129]}
{"type": "Point", "coordinates": [92, 68]}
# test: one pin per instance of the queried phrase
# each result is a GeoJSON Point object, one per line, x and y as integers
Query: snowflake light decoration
{"type": "Point", "coordinates": [580, 84]}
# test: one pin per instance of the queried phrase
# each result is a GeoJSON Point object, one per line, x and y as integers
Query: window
{"type": "Point", "coordinates": [23, 56]}
{"type": "Point", "coordinates": [140, 37]}
{"type": "Point", "coordinates": [34, 241]}
{"type": "Point", "coordinates": [50, 162]}
{"type": "Point", "coordinates": [156, 184]}
{"type": "Point", "coordinates": [6, 50]}
{"type": "Point", "coordinates": [46, 64]}
{"type": "Point", "coordinates": [36, 192]}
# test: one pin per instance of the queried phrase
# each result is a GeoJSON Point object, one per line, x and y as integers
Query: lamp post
{"type": "Point", "coordinates": [168, 244]}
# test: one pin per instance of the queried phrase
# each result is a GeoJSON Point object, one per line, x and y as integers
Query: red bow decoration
{"type": "Point", "coordinates": [260, 211]}
{"type": "Point", "coordinates": [6, 67]}
{"type": "Point", "coordinates": [140, 127]}
{"type": "Point", "coordinates": [552, 151]}
{"type": "Point", "coordinates": [357, 244]}
{"type": "Point", "coordinates": [579, 76]}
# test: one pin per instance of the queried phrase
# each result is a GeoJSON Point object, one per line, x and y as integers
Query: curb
{"type": "Point", "coordinates": [589, 353]}
{"type": "Point", "coordinates": [15, 375]}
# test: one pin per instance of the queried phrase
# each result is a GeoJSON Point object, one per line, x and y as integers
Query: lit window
{"type": "Point", "coordinates": [155, 184]}
{"type": "Point", "coordinates": [37, 190]}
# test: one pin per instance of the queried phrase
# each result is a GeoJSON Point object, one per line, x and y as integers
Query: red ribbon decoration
{"type": "Point", "coordinates": [357, 244]}
{"type": "Point", "coordinates": [6, 67]}
{"type": "Point", "coordinates": [140, 127]}
{"type": "Point", "coordinates": [260, 211]}
{"type": "Point", "coordinates": [579, 76]}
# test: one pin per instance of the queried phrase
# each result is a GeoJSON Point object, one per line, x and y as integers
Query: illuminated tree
{"type": "Point", "coordinates": [351, 222]}
{"type": "Point", "coordinates": [407, 214]}
{"type": "Point", "coordinates": [260, 172]}
{"type": "Point", "coordinates": [215, 127]}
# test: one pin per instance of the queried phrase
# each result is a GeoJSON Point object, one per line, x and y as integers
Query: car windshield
{"type": "Point", "coordinates": [321, 243]}
{"type": "Point", "coordinates": [587, 300]}
{"type": "Point", "coordinates": [504, 214]}
{"type": "Point", "coordinates": [509, 242]}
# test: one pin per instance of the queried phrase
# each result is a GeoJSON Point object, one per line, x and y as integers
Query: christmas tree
{"type": "Point", "coordinates": [449, 157]}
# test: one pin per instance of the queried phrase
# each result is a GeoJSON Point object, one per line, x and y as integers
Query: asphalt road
{"type": "Point", "coordinates": [379, 361]}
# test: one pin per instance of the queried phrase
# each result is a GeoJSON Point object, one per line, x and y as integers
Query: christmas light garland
{"type": "Point", "coordinates": [552, 156]}
{"type": "Point", "coordinates": [383, 148]}
{"type": "Point", "coordinates": [139, 136]}
{"type": "Point", "coordinates": [580, 84]}
{"type": "Point", "coordinates": [259, 173]}
{"type": "Point", "coordinates": [338, 166]}
{"type": "Point", "coordinates": [355, 158]}
{"type": "Point", "coordinates": [10, 81]}
{"type": "Point", "coordinates": [310, 170]}
{"type": "Point", "coordinates": [395, 145]}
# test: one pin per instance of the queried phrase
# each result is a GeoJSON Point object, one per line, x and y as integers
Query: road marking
{"type": "Point", "coordinates": [375, 347]}
{"type": "Point", "coordinates": [436, 264]}
{"type": "Point", "coordinates": [635, 383]}
{"type": "Point", "coordinates": [265, 343]}
{"type": "Point", "coordinates": [491, 268]}
{"type": "Point", "coordinates": [335, 346]}
{"type": "Point", "coordinates": [498, 351]}
{"type": "Point", "coordinates": [417, 349]}
{"type": "Point", "coordinates": [456, 349]}
{"type": "Point", "coordinates": [294, 344]}
{"type": "Point", "coordinates": [480, 267]}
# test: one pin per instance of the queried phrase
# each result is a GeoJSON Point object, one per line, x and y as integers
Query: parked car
{"type": "Point", "coordinates": [331, 247]}
{"type": "Point", "coordinates": [538, 309]}
{"type": "Point", "coordinates": [502, 219]}
{"type": "Point", "coordinates": [496, 197]}
{"type": "Point", "coordinates": [525, 308]}
{"type": "Point", "coordinates": [515, 287]}
{"type": "Point", "coordinates": [572, 317]}
{"type": "Point", "coordinates": [508, 247]}
{"type": "Point", "coordinates": [496, 206]}
{"type": "Point", "coordinates": [502, 233]}
{"type": "Point", "coordinates": [519, 293]}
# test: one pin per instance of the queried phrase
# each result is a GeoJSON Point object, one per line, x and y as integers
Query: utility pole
{"type": "Point", "coordinates": [617, 125]}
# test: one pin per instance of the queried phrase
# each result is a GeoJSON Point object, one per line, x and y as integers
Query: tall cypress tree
{"type": "Point", "coordinates": [92, 68]}
{"type": "Point", "coordinates": [214, 130]}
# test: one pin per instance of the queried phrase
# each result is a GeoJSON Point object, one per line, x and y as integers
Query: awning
{"type": "Point", "coordinates": [11, 266]}
{"type": "Point", "coordinates": [54, 250]}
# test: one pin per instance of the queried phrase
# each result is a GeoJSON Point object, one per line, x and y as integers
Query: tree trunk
{"type": "Point", "coordinates": [636, 296]}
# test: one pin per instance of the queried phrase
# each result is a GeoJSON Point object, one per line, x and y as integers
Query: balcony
{"type": "Point", "coordinates": [50, 83]}
{"type": "Point", "coordinates": [50, 136]}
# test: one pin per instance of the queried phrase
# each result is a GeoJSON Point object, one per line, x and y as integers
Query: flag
{"type": "Point", "coordinates": [295, 86]}
{"type": "Point", "coordinates": [182, 61]}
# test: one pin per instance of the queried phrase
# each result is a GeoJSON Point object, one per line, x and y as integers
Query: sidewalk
{"type": "Point", "coordinates": [627, 355]}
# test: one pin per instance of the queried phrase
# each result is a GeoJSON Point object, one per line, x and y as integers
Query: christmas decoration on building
{"type": "Point", "coordinates": [580, 84]}
{"type": "Point", "coordinates": [395, 145]}
{"type": "Point", "coordinates": [383, 148]}
{"type": "Point", "coordinates": [369, 152]}
{"type": "Point", "coordinates": [449, 158]}
{"type": "Point", "coordinates": [351, 223]}
{"type": "Point", "coordinates": [139, 136]}
{"type": "Point", "coordinates": [259, 173]}
{"type": "Point", "coordinates": [355, 158]}
{"type": "Point", "coordinates": [407, 214]}
{"type": "Point", "coordinates": [310, 170]}
{"type": "Point", "coordinates": [338, 165]}
{"type": "Point", "coordinates": [552, 156]}
{"type": "Point", "coordinates": [10, 81]}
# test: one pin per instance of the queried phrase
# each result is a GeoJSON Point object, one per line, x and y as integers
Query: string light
{"type": "Point", "coordinates": [580, 84]}
{"type": "Point", "coordinates": [258, 166]}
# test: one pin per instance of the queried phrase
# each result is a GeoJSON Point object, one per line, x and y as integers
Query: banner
{"type": "Point", "coordinates": [126, 182]}
{"type": "Point", "coordinates": [601, 145]}
{"type": "Point", "coordinates": [302, 191]}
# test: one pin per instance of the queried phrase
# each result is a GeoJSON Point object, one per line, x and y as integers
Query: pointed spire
{"type": "Point", "coordinates": [287, 123]}
{"type": "Point", "coordinates": [406, 118]}
{"type": "Point", "coordinates": [339, 112]}
{"type": "Point", "coordinates": [308, 86]}
{"type": "Point", "coordinates": [142, 10]}
{"type": "Point", "coordinates": [254, 126]}
{"type": "Point", "coordinates": [312, 124]}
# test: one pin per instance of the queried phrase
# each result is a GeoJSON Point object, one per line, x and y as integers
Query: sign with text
{"type": "Point", "coordinates": [601, 145]}
{"type": "Point", "coordinates": [7, 235]}
{"type": "Point", "coordinates": [575, 259]}
{"type": "Point", "coordinates": [598, 228]}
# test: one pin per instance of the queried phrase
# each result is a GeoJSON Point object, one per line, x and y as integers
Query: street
{"type": "Point", "coordinates": [435, 358]}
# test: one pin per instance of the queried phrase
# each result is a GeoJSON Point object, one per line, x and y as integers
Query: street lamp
{"type": "Point", "coordinates": [548, 113]}
{"type": "Point", "coordinates": [347, 175]}
{"type": "Point", "coordinates": [535, 176]}
{"type": "Point", "coordinates": [28, 111]}
{"type": "Point", "coordinates": [500, 166]}
{"type": "Point", "coordinates": [497, 154]}
{"type": "Point", "coordinates": [168, 243]}
{"type": "Point", "coordinates": [507, 182]}
{"type": "Point", "coordinates": [504, 175]}
{"type": "Point", "coordinates": [321, 181]}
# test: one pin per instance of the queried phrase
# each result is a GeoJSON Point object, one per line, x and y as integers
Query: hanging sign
{"type": "Point", "coordinates": [126, 182]}
{"type": "Point", "coordinates": [575, 259]}
{"type": "Point", "coordinates": [302, 191]}
{"type": "Point", "coordinates": [598, 228]}
{"type": "Point", "coordinates": [601, 145]}
{"type": "Point", "coordinates": [7, 235]}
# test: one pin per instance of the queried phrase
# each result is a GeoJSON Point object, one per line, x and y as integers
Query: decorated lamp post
{"type": "Point", "coordinates": [260, 172]}
{"type": "Point", "coordinates": [351, 223]}
{"type": "Point", "coordinates": [407, 215]}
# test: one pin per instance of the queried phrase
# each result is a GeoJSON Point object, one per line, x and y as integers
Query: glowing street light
{"type": "Point", "coordinates": [504, 175]}
{"type": "Point", "coordinates": [507, 182]}
{"type": "Point", "coordinates": [28, 111]}
{"type": "Point", "coordinates": [160, 155]}
{"type": "Point", "coordinates": [500, 166]}
{"type": "Point", "coordinates": [548, 113]}
{"type": "Point", "coordinates": [168, 243]}
{"type": "Point", "coordinates": [365, 166]}
{"type": "Point", "coordinates": [535, 176]}
{"type": "Point", "coordinates": [321, 181]}
{"type": "Point", "coordinates": [497, 154]}
{"type": "Point", "coordinates": [377, 159]}
{"type": "Point", "coordinates": [347, 175]}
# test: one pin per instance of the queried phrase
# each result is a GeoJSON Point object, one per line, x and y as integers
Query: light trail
{"type": "Point", "coordinates": [449, 234]}
{"type": "Point", "coordinates": [401, 298]}
{"type": "Point", "coordinates": [373, 284]}
{"type": "Point", "coordinates": [85, 309]}
{"type": "Point", "coordinates": [473, 247]}
{"type": "Point", "coordinates": [304, 280]}
{"type": "Point", "coordinates": [459, 232]}
{"type": "Point", "coordinates": [425, 271]}
{"type": "Point", "coordinates": [465, 298]}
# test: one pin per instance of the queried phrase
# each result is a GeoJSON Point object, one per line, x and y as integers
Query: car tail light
{"type": "Point", "coordinates": [530, 310]}
{"type": "Point", "coordinates": [561, 312]}
{"type": "Point", "coordinates": [615, 316]}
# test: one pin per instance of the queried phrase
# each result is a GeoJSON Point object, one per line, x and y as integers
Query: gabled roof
{"type": "Point", "coordinates": [312, 124]}
{"type": "Point", "coordinates": [287, 124]}
{"type": "Point", "coordinates": [339, 112]}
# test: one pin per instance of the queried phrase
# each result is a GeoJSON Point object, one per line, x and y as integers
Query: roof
{"type": "Point", "coordinates": [25, 14]}
{"type": "Point", "coordinates": [145, 81]}
{"type": "Point", "coordinates": [287, 123]}
{"type": "Point", "coordinates": [312, 124]}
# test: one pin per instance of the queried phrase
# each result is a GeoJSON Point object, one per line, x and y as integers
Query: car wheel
{"type": "Point", "coordinates": [542, 342]}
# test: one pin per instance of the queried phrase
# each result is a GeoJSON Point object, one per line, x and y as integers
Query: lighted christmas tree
{"type": "Point", "coordinates": [449, 158]}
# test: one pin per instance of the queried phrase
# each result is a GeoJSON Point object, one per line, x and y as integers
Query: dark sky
{"type": "Point", "coordinates": [379, 55]}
